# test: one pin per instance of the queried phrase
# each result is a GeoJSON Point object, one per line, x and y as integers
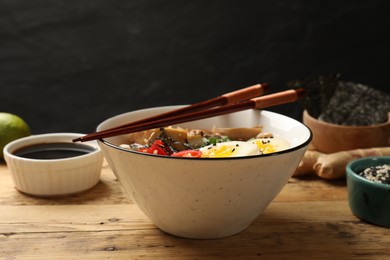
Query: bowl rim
{"type": "Point", "coordinates": [39, 138]}
{"type": "Point", "coordinates": [289, 150]}
{"type": "Point", "coordinates": [324, 123]}
{"type": "Point", "coordinates": [351, 173]}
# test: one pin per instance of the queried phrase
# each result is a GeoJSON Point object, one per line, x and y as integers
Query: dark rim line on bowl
{"type": "Point", "coordinates": [219, 158]}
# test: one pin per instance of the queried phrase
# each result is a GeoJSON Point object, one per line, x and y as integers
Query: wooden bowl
{"type": "Point", "coordinates": [330, 138]}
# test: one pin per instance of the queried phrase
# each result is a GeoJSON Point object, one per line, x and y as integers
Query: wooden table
{"type": "Point", "coordinates": [309, 218]}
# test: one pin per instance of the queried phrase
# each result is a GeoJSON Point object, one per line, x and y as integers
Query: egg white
{"type": "Point", "coordinates": [270, 144]}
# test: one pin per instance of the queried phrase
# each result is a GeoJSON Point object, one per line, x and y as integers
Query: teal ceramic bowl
{"type": "Point", "coordinates": [368, 200]}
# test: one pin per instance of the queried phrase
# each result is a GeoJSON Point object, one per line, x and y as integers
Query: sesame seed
{"type": "Point", "coordinates": [380, 173]}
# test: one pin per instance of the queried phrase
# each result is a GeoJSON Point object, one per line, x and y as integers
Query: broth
{"type": "Point", "coordinates": [50, 151]}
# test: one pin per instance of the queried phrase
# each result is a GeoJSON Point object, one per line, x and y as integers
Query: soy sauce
{"type": "Point", "coordinates": [50, 151]}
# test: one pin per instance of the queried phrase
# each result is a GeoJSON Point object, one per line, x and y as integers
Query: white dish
{"type": "Point", "coordinates": [53, 177]}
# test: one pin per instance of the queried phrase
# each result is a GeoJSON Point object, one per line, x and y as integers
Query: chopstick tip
{"type": "Point", "coordinates": [264, 86]}
{"type": "Point", "coordinates": [77, 140]}
{"type": "Point", "coordinates": [300, 92]}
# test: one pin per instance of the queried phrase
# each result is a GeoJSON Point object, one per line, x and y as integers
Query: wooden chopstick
{"type": "Point", "coordinates": [225, 99]}
{"type": "Point", "coordinates": [279, 98]}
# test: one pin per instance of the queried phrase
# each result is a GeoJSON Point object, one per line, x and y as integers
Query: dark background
{"type": "Point", "coordinates": [68, 65]}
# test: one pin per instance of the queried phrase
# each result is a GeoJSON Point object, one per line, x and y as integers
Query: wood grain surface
{"type": "Point", "coordinates": [310, 218]}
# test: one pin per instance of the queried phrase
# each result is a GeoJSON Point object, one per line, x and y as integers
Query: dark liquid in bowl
{"type": "Point", "coordinates": [47, 151]}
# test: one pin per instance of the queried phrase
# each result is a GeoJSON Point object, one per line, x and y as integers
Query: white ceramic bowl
{"type": "Point", "coordinates": [207, 197]}
{"type": "Point", "coordinates": [53, 177]}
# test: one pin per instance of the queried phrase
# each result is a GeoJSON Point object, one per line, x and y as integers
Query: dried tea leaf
{"type": "Point", "coordinates": [344, 103]}
{"type": "Point", "coordinates": [318, 92]}
{"type": "Point", "coordinates": [356, 104]}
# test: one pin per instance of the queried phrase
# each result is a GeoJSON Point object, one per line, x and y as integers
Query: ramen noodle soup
{"type": "Point", "coordinates": [212, 143]}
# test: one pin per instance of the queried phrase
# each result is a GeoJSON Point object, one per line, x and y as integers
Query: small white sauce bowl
{"type": "Point", "coordinates": [53, 177]}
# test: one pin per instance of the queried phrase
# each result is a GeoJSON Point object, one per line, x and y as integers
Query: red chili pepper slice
{"type": "Point", "coordinates": [143, 150]}
{"type": "Point", "coordinates": [158, 147]}
{"type": "Point", "coordinates": [188, 153]}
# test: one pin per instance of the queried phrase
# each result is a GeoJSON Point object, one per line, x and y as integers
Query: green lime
{"type": "Point", "coordinates": [12, 127]}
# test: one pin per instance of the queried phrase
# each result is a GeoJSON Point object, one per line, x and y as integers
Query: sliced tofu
{"type": "Point", "coordinates": [144, 137]}
{"type": "Point", "coordinates": [195, 138]}
{"type": "Point", "coordinates": [238, 134]}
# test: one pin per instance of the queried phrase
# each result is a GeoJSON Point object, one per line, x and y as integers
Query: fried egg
{"type": "Point", "coordinates": [270, 144]}
{"type": "Point", "coordinates": [230, 149]}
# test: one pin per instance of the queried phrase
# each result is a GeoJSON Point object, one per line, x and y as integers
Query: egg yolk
{"type": "Point", "coordinates": [265, 146]}
{"type": "Point", "coordinates": [218, 151]}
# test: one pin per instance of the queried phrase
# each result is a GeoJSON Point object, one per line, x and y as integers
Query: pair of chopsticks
{"type": "Point", "coordinates": [247, 98]}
